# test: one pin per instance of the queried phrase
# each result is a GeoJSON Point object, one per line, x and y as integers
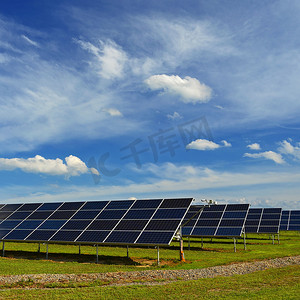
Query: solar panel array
{"type": "Point", "coordinates": [263, 220]}
{"type": "Point", "coordinates": [148, 222]}
{"type": "Point", "coordinates": [216, 220]}
{"type": "Point", "coordinates": [290, 220]}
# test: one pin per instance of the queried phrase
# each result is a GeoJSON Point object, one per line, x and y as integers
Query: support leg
{"type": "Point", "coordinates": [245, 241]}
{"type": "Point", "coordinates": [189, 243]}
{"type": "Point", "coordinates": [158, 255]}
{"type": "Point", "coordinates": [39, 248]}
{"type": "Point", "coordinates": [47, 254]}
{"type": "Point", "coordinates": [79, 249]}
{"type": "Point", "coordinates": [234, 243]}
{"type": "Point", "coordinates": [127, 251]}
{"type": "Point", "coordinates": [201, 242]}
{"type": "Point", "coordinates": [278, 239]}
{"type": "Point", "coordinates": [273, 239]}
{"type": "Point", "coordinates": [97, 256]}
{"type": "Point", "coordinates": [3, 248]}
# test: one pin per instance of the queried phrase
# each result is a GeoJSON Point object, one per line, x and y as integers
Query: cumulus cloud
{"type": "Point", "coordinates": [271, 155]}
{"type": "Point", "coordinates": [113, 112]}
{"type": "Point", "coordinates": [190, 89]}
{"type": "Point", "coordinates": [287, 148]}
{"type": "Point", "coordinates": [202, 144]}
{"type": "Point", "coordinates": [110, 58]}
{"type": "Point", "coordinates": [254, 146]}
{"type": "Point", "coordinates": [174, 116]}
{"type": "Point", "coordinates": [74, 166]}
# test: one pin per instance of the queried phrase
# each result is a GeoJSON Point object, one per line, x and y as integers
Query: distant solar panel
{"type": "Point", "coordinates": [263, 220]}
{"type": "Point", "coordinates": [290, 220]}
{"type": "Point", "coordinates": [216, 220]}
{"type": "Point", "coordinates": [147, 222]}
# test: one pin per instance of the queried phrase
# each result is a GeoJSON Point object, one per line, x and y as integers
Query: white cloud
{"type": "Point", "coordinates": [30, 41]}
{"type": "Point", "coordinates": [202, 144]}
{"type": "Point", "coordinates": [174, 116]}
{"type": "Point", "coordinates": [113, 112]}
{"type": "Point", "coordinates": [254, 146]}
{"type": "Point", "coordinates": [38, 164]}
{"type": "Point", "coordinates": [110, 58]}
{"type": "Point", "coordinates": [288, 149]}
{"type": "Point", "coordinates": [271, 155]}
{"type": "Point", "coordinates": [190, 89]}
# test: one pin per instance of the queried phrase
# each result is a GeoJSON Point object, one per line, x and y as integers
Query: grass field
{"type": "Point", "coordinates": [22, 258]}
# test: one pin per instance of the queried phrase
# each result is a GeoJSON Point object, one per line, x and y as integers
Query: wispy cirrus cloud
{"type": "Point", "coordinates": [270, 155]}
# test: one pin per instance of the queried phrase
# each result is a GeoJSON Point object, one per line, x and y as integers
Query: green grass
{"type": "Point", "coordinates": [276, 284]}
{"type": "Point", "coordinates": [22, 258]}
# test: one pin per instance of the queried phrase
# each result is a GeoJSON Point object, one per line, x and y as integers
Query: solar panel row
{"type": "Point", "coordinates": [290, 220]}
{"type": "Point", "coordinates": [263, 220]}
{"type": "Point", "coordinates": [215, 220]}
{"type": "Point", "coordinates": [110, 222]}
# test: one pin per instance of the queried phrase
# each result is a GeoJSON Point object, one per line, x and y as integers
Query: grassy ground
{"type": "Point", "coordinates": [270, 284]}
{"type": "Point", "coordinates": [22, 258]}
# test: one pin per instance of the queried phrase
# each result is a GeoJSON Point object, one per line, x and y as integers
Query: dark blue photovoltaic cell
{"type": "Point", "coordinates": [66, 235]}
{"type": "Point", "coordinates": [122, 237]}
{"type": "Point", "coordinates": [295, 212]}
{"type": "Point", "coordinates": [207, 222]}
{"type": "Point", "coordinates": [295, 218]}
{"type": "Point", "coordinates": [11, 207]}
{"type": "Point", "coordinates": [112, 214]}
{"type": "Point", "coordinates": [155, 237]}
{"type": "Point", "coordinates": [131, 225]}
{"type": "Point", "coordinates": [51, 224]}
{"type": "Point", "coordinates": [40, 235]}
{"type": "Point", "coordinates": [19, 215]}
{"type": "Point", "coordinates": [93, 236]}
{"type": "Point", "coordinates": [214, 208]}
{"type": "Point", "coordinates": [175, 203]}
{"type": "Point", "coordinates": [50, 206]}
{"type": "Point", "coordinates": [232, 223]}
{"type": "Point", "coordinates": [139, 214]}
{"type": "Point", "coordinates": [18, 234]}
{"type": "Point", "coordinates": [71, 206]}
{"type": "Point", "coordinates": [250, 229]}
{"type": "Point", "coordinates": [283, 227]}
{"type": "Point", "coordinates": [76, 225]}
{"type": "Point", "coordinates": [186, 230]}
{"type": "Point", "coordinates": [272, 210]}
{"type": "Point", "coordinates": [252, 222]}
{"type": "Point", "coordinates": [189, 223]}
{"type": "Point", "coordinates": [227, 231]}
{"type": "Point", "coordinates": [119, 204]}
{"type": "Point", "coordinates": [94, 205]}
{"type": "Point", "coordinates": [270, 216]}
{"type": "Point", "coordinates": [9, 224]}
{"type": "Point", "coordinates": [169, 213]}
{"type": "Point", "coordinates": [40, 215]}
{"type": "Point", "coordinates": [211, 215]}
{"type": "Point", "coordinates": [234, 207]}
{"type": "Point", "coordinates": [4, 214]}
{"type": "Point", "coordinates": [263, 229]}
{"type": "Point", "coordinates": [255, 211]}
{"type": "Point", "coordinates": [62, 215]}
{"type": "Point", "coordinates": [204, 231]}
{"type": "Point", "coordinates": [103, 225]}
{"type": "Point", "coordinates": [269, 222]}
{"type": "Point", "coordinates": [146, 204]}
{"type": "Point", "coordinates": [294, 222]}
{"type": "Point", "coordinates": [29, 207]}
{"type": "Point", "coordinates": [253, 217]}
{"type": "Point", "coordinates": [163, 225]}
{"type": "Point", "coordinates": [235, 214]}
{"type": "Point", "coordinates": [294, 227]}
{"type": "Point", "coordinates": [3, 233]}
{"type": "Point", "coordinates": [86, 214]}
{"type": "Point", "coordinates": [29, 224]}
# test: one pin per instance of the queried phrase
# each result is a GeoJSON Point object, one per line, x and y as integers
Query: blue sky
{"type": "Point", "coordinates": [120, 99]}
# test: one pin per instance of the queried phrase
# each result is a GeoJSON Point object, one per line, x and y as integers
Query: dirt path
{"type": "Point", "coordinates": [148, 276]}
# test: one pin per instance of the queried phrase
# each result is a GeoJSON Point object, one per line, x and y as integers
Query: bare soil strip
{"type": "Point", "coordinates": [148, 276]}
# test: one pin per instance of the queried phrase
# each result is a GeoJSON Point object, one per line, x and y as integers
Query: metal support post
{"type": "Point", "coordinates": [127, 251]}
{"type": "Point", "coordinates": [273, 239]}
{"type": "Point", "coordinates": [97, 256]}
{"type": "Point", "coordinates": [245, 241]}
{"type": "Point", "coordinates": [158, 255]}
{"type": "Point", "coordinates": [3, 248]}
{"type": "Point", "coordinates": [189, 243]}
{"type": "Point", "coordinates": [278, 239]}
{"type": "Point", "coordinates": [234, 243]}
{"type": "Point", "coordinates": [201, 242]}
{"type": "Point", "coordinates": [47, 255]}
{"type": "Point", "coordinates": [39, 248]}
{"type": "Point", "coordinates": [79, 249]}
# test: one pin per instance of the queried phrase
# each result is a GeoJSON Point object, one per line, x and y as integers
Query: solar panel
{"type": "Point", "coordinates": [263, 220]}
{"type": "Point", "coordinates": [153, 221]}
{"type": "Point", "coordinates": [226, 220]}
{"type": "Point", "coordinates": [290, 220]}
